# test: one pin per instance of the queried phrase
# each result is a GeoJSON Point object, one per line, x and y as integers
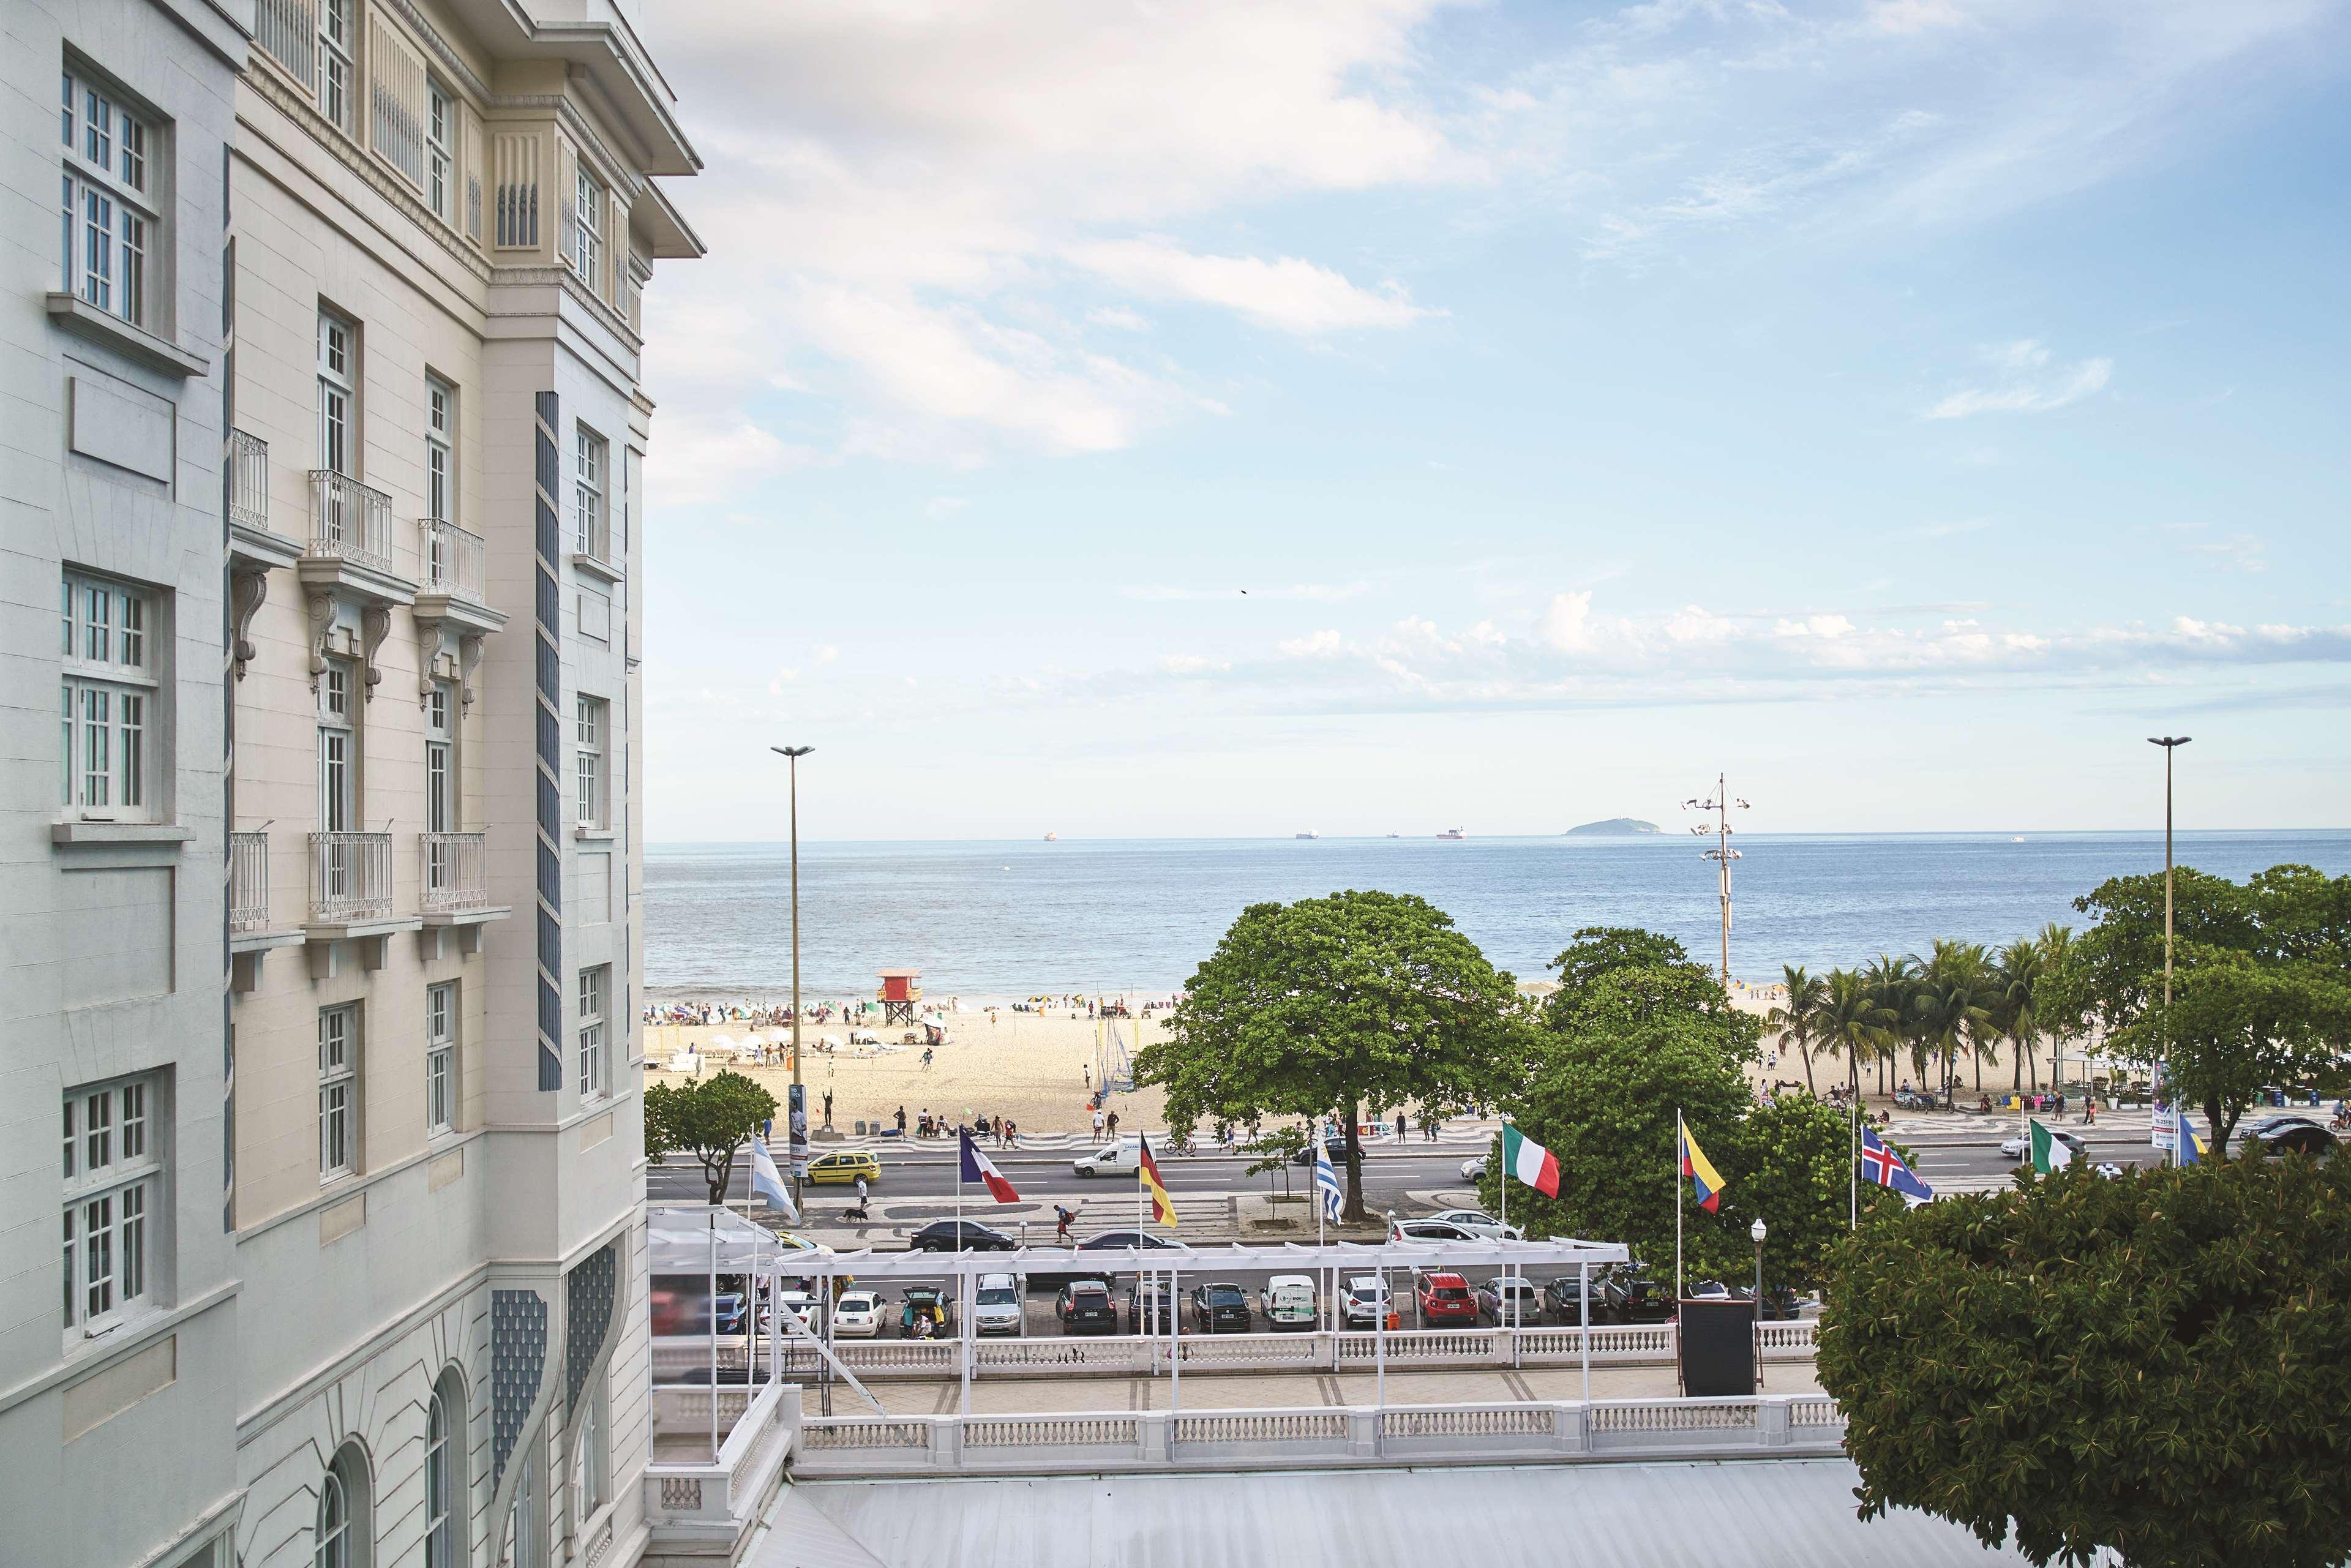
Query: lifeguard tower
{"type": "Point", "coordinates": [901, 990]}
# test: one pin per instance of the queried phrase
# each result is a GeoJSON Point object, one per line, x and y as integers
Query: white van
{"type": "Point", "coordinates": [1288, 1301]}
{"type": "Point", "coordinates": [1123, 1158]}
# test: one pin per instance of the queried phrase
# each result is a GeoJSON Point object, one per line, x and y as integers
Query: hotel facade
{"type": "Point", "coordinates": [323, 884]}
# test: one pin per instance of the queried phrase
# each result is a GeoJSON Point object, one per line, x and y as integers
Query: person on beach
{"type": "Point", "coordinates": [1113, 1123]}
{"type": "Point", "coordinates": [901, 1121]}
{"type": "Point", "coordinates": [1098, 1121]}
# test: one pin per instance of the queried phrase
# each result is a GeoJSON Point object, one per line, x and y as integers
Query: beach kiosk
{"type": "Point", "coordinates": [901, 990]}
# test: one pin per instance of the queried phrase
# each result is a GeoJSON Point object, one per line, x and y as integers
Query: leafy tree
{"type": "Point", "coordinates": [1353, 1002]}
{"type": "Point", "coordinates": [1948, 1006]}
{"type": "Point", "coordinates": [2014, 1007]}
{"type": "Point", "coordinates": [1623, 978]}
{"type": "Point", "coordinates": [1798, 1018]}
{"type": "Point", "coordinates": [1794, 1161]}
{"type": "Point", "coordinates": [1892, 982]}
{"type": "Point", "coordinates": [1851, 1020]}
{"type": "Point", "coordinates": [709, 1118]}
{"type": "Point", "coordinates": [2236, 1024]}
{"type": "Point", "coordinates": [2156, 1365]}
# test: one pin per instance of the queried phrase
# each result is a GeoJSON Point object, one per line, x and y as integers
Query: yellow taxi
{"type": "Point", "coordinates": [845, 1167]}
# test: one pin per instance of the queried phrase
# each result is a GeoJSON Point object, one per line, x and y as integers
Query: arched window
{"type": "Point", "coordinates": [445, 1473]}
{"type": "Point", "coordinates": [342, 1538]}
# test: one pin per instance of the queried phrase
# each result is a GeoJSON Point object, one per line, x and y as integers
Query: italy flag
{"type": "Point", "coordinates": [1529, 1162]}
{"type": "Point", "coordinates": [1705, 1182]}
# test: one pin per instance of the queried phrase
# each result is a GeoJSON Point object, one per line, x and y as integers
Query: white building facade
{"type": "Point", "coordinates": [118, 1293]}
{"type": "Point", "coordinates": [440, 221]}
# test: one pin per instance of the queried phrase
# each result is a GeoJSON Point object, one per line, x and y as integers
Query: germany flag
{"type": "Point", "coordinates": [1161, 1208]}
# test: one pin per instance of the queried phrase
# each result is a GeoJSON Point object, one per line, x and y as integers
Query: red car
{"type": "Point", "coordinates": [1445, 1298]}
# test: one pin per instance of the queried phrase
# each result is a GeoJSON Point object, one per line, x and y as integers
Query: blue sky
{"type": "Point", "coordinates": [1906, 405]}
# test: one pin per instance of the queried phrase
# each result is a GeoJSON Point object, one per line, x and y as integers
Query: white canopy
{"type": "Point", "coordinates": [680, 1242]}
{"type": "Point", "coordinates": [1290, 1257]}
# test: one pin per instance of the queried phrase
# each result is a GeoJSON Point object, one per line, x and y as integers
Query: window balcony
{"type": "Point", "coordinates": [350, 878]}
{"type": "Point", "coordinates": [249, 481]}
{"type": "Point", "coordinates": [455, 876]}
{"type": "Point", "coordinates": [349, 521]}
{"type": "Point", "coordinates": [453, 559]}
{"type": "Point", "coordinates": [249, 883]}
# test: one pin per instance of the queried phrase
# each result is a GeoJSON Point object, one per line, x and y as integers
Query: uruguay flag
{"type": "Point", "coordinates": [2190, 1150]}
{"type": "Point", "coordinates": [767, 1182]}
{"type": "Point", "coordinates": [1882, 1165]}
{"type": "Point", "coordinates": [978, 1168]}
{"type": "Point", "coordinates": [1326, 1182]}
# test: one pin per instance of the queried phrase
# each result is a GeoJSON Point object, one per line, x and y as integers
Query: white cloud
{"type": "Point", "coordinates": [827, 655]}
{"type": "Point", "coordinates": [1118, 317]}
{"type": "Point", "coordinates": [1567, 623]}
{"type": "Point", "coordinates": [2237, 552]}
{"type": "Point", "coordinates": [1290, 293]}
{"type": "Point", "coordinates": [696, 463]}
{"type": "Point", "coordinates": [1190, 665]}
{"type": "Point", "coordinates": [938, 508]}
{"type": "Point", "coordinates": [1324, 644]}
{"type": "Point", "coordinates": [2029, 384]}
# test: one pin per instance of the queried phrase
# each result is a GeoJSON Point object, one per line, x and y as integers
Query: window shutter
{"type": "Point", "coordinates": [567, 185]}
{"type": "Point", "coordinates": [518, 192]}
{"type": "Point", "coordinates": [396, 94]}
{"type": "Point", "coordinates": [470, 140]}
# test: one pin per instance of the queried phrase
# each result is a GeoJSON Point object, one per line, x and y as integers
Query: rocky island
{"type": "Point", "coordinates": [1614, 827]}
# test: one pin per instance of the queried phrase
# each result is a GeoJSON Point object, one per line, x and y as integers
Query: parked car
{"type": "Point", "coordinates": [1123, 1158]}
{"type": "Point", "coordinates": [1221, 1307]}
{"type": "Point", "coordinates": [2020, 1146]}
{"type": "Point", "coordinates": [959, 1235]}
{"type": "Point", "coordinates": [1365, 1301]}
{"type": "Point", "coordinates": [1107, 1241]}
{"type": "Point", "coordinates": [1288, 1303]}
{"type": "Point", "coordinates": [2291, 1134]}
{"type": "Point", "coordinates": [857, 1315]}
{"type": "Point", "coordinates": [926, 1314]}
{"type": "Point", "coordinates": [1431, 1230]}
{"type": "Point", "coordinates": [1474, 1170]}
{"type": "Point", "coordinates": [1150, 1309]}
{"type": "Point", "coordinates": [1510, 1303]}
{"type": "Point", "coordinates": [845, 1167]}
{"type": "Point", "coordinates": [1443, 1297]}
{"type": "Point", "coordinates": [1336, 1143]}
{"type": "Point", "coordinates": [801, 1299]}
{"type": "Point", "coordinates": [1630, 1296]}
{"type": "Point", "coordinates": [1084, 1307]}
{"type": "Point", "coordinates": [996, 1304]}
{"type": "Point", "coordinates": [730, 1310]}
{"type": "Point", "coordinates": [1566, 1297]}
{"type": "Point", "coordinates": [1480, 1223]}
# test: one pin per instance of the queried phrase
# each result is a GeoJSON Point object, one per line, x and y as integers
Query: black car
{"type": "Point", "coordinates": [1109, 1240]}
{"type": "Point", "coordinates": [1335, 1143]}
{"type": "Point", "coordinates": [1630, 1296]}
{"type": "Point", "coordinates": [1085, 1307]}
{"type": "Point", "coordinates": [1221, 1308]}
{"type": "Point", "coordinates": [940, 1236]}
{"type": "Point", "coordinates": [2290, 1135]}
{"type": "Point", "coordinates": [1149, 1309]}
{"type": "Point", "coordinates": [1564, 1299]}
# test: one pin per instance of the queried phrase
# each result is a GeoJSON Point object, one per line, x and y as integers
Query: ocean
{"type": "Point", "coordinates": [1003, 920]}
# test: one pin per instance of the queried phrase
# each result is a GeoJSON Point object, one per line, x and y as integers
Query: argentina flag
{"type": "Point", "coordinates": [1326, 1182]}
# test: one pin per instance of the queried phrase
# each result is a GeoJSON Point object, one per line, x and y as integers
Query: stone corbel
{"type": "Point", "coordinates": [322, 627]}
{"type": "Point", "coordinates": [428, 659]}
{"type": "Point", "coordinates": [375, 625]}
{"type": "Point", "coordinates": [248, 589]}
{"type": "Point", "coordinates": [469, 661]}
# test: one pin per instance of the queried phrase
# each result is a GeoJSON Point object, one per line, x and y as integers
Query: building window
{"type": "Point", "coordinates": [335, 62]}
{"type": "Point", "coordinates": [440, 429]}
{"type": "Point", "coordinates": [440, 763]}
{"type": "Point", "coordinates": [444, 1472]}
{"type": "Point", "coordinates": [591, 1457]}
{"type": "Point", "coordinates": [588, 494]}
{"type": "Point", "coordinates": [106, 711]}
{"type": "Point", "coordinates": [113, 1168]}
{"type": "Point", "coordinates": [109, 221]}
{"type": "Point", "coordinates": [441, 1057]}
{"type": "Point", "coordinates": [337, 751]}
{"type": "Point", "coordinates": [588, 739]}
{"type": "Point", "coordinates": [440, 136]}
{"type": "Point", "coordinates": [337, 380]}
{"type": "Point", "coordinates": [594, 986]}
{"type": "Point", "coordinates": [342, 1538]}
{"type": "Point", "coordinates": [339, 1059]}
{"type": "Point", "coordinates": [588, 230]}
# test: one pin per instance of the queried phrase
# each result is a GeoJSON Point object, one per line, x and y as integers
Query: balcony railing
{"type": "Point", "coordinates": [248, 480]}
{"type": "Point", "coordinates": [349, 521]}
{"type": "Point", "coordinates": [350, 877]}
{"type": "Point", "coordinates": [452, 559]}
{"type": "Point", "coordinates": [457, 873]}
{"type": "Point", "coordinates": [248, 881]}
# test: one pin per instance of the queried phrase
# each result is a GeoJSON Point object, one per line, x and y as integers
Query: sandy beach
{"type": "Point", "coordinates": [1031, 1067]}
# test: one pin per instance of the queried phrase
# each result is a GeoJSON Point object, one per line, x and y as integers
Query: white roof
{"type": "Point", "coordinates": [680, 1236]}
{"type": "Point", "coordinates": [1649, 1515]}
{"type": "Point", "coordinates": [1292, 1257]}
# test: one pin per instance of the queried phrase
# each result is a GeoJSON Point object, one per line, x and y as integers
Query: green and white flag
{"type": "Point", "coordinates": [1529, 1162]}
{"type": "Point", "coordinates": [2050, 1152]}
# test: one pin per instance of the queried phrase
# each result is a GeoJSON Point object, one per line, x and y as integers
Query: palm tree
{"type": "Point", "coordinates": [1948, 1009]}
{"type": "Point", "coordinates": [1849, 1018]}
{"type": "Point", "coordinates": [1892, 982]}
{"type": "Point", "coordinates": [2017, 975]}
{"type": "Point", "coordinates": [2057, 950]}
{"type": "Point", "coordinates": [1794, 1021]}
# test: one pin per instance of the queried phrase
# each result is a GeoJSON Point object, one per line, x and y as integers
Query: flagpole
{"type": "Point", "coordinates": [1853, 1158]}
{"type": "Point", "coordinates": [1681, 1142]}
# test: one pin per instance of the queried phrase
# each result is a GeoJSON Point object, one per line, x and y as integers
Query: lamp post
{"type": "Point", "coordinates": [2170, 743]}
{"type": "Point", "coordinates": [1756, 1231]}
{"type": "Point", "coordinates": [795, 1115]}
{"type": "Point", "coordinates": [1722, 854]}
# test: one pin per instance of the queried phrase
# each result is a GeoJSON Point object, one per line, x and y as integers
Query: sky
{"type": "Point", "coordinates": [1236, 419]}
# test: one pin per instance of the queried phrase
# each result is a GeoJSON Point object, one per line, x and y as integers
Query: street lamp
{"type": "Point", "coordinates": [795, 1115]}
{"type": "Point", "coordinates": [2170, 743]}
{"type": "Point", "coordinates": [1722, 854]}
{"type": "Point", "coordinates": [1756, 1231]}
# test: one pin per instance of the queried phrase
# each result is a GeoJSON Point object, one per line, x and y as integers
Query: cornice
{"type": "Point", "coordinates": [451, 61]}
{"type": "Point", "coordinates": [619, 173]}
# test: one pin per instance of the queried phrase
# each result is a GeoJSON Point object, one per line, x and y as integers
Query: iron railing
{"type": "Point", "coordinates": [349, 521]}
{"type": "Point", "coordinates": [454, 559]}
{"type": "Point", "coordinates": [248, 881]}
{"type": "Point", "coordinates": [248, 480]}
{"type": "Point", "coordinates": [457, 872]}
{"type": "Point", "coordinates": [350, 877]}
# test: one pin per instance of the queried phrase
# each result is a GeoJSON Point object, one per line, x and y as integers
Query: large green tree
{"type": "Point", "coordinates": [1353, 1003]}
{"type": "Point", "coordinates": [2156, 1365]}
{"type": "Point", "coordinates": [709, 1118]}
{"type": "Point", "coordinates": [1623, 977]}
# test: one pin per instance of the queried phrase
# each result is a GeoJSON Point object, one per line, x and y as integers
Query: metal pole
{"type": "Point", "coordinates": [1584, 1315]}
{"type": "Point", "coordinates": [713, 1338]}
{"type": "Point", "coordinates": [963, 1306]}
{"type": "Point", "coordinates": [1680, 1133]}
{"type": "Point", "coordinates": [792, 755]}
{"type": "Point", "coordinates": [1175, 1341]}
{"type": "Point", "coordinates": [2169, 742]}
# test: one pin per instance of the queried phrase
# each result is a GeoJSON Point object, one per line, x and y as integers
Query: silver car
{"type": "Point", "coordinates": [995, 1305]}
{"type": "Point", "coordinates": [1481, 1223]}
